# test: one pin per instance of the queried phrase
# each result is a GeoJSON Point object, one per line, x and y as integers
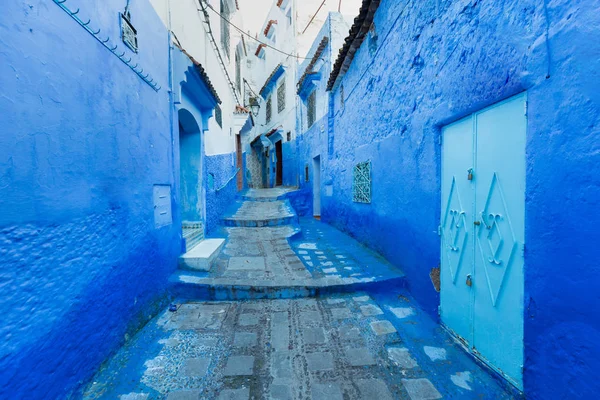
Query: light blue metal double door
{"type": "Point", "coordinates": [482, 233]}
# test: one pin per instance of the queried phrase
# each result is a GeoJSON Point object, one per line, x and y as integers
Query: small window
{"type": "Point", "coordinates": [219, 116]}
{"type": "Point", "coordinates": [289, 136]}
{"type": "Point", "coordinates": [361, 183]}
{"type": "Point", "coordinates": [311, 106]}
{"type": "Point", "coordinates": [281, 97]}
{"type": "Point", "coordinates": [306, 173]}
{"type": "Point", "coordinates": [128, 32]}
{"type": "Point", "coordinates": [269, 110]}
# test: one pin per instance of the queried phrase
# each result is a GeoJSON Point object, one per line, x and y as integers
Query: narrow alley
{"type": "Point", "coordinates": [299, 199]}
{"type": "Point", "coordinates": [301, 314]}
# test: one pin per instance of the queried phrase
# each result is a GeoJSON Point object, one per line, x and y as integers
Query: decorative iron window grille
{"type": "Point", "coordinates": [281, 97]}
{"type": "Point", "coordinates": [225, 30]}
{"type": "Point", "coordinates": [311, 106]}
{"type": "Point", "coordinates": [269, 110]}
{"type": "Point", "coordinates": [361, 184]}
{"type": "Point", "coordinates": [219, 115]}
{"type": "Point", "coordinates": [128, 32]}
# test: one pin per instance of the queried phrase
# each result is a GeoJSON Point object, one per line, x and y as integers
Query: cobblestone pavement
{"type": "Point", "coordinates": [353, 346]}
{"type": "Point", "coordinates": [374, 345]}
{"type": "Point", "coordinates": [255, 210]}
{"type": "Point", "coordinates": [263, 257]}
{"type": "Point", "coordinates": [292, 254]}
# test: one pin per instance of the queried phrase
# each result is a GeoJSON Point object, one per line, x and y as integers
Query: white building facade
{"type": "Point", "coordinates": [274, 60]}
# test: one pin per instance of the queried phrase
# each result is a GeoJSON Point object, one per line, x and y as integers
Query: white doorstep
{"type": "Point", "coordinates": [202, 256]}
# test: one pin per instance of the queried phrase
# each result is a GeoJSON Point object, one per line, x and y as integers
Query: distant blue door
{"type": "Point", "coordinates": [482, 227]}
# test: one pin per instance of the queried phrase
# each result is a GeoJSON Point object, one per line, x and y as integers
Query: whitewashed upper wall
{"type": "Point", "coordinates": [307, 8]}
{"type": "Point", "coordinates": [186, 21]}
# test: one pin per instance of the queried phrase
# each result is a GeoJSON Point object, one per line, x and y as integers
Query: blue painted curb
{"type": "Point", "coordinates": [206, 292]}
{"type": "Point", "coordinates": [231, 222]}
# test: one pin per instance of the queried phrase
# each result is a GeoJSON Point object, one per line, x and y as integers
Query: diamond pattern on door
{"type": "Point", "coordinates": [496, 239]}
{"type": "Point", "coordinates": [455, 232]}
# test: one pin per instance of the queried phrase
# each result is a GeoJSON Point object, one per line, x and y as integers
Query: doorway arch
{"type": "Point", "coordinates": [190, 168]}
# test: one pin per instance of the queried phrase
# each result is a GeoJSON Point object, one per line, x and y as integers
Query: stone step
{"type": "Point", "coordinates": [252, 214]}
{"type": "Point", "coordinates": [202, 256]}
{"type": "Point", "coordinates": [197, 286]}
{"type": "Point", "coordinates": [259, 223]}
{"type": "Point", "coordinates": [267, 195]}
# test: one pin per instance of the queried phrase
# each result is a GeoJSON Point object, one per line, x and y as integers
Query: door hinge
{"type": "Point", "coordinates": [440, 311]}
{"type": "Point", "coordinates": [439, 230]}
{"type": "Point", "coordinates": [526, 107]}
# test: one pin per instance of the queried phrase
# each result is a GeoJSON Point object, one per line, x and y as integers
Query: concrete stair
{"type": "Point", "coordinates": [198, 286]}
{"type": "Point", "coordinates": [257, 214]}
{"type": "Point", "coordinates": [202, 256]}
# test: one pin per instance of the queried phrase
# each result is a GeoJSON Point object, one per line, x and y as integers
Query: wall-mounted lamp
{"type": "Point", "coordinates": [254, 106]}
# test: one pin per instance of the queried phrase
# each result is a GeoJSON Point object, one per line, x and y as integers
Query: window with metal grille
{"type": "Point", "coordinates": [219, 116]}
{"type": "Point", "coordinates": [269, 110]}
{"type": "Point", "coordinates": [311, 106]}
{"type": "Point", "coordinates": [128, 32]}
{"type": "Point", "coordinates": [238, 73]}
{"type": "Point", "coordinates": [361, 183]}
{"type": "Point", "coordinates": [281, 97]}
{"type": "Point", "coordinates": [225, 27]}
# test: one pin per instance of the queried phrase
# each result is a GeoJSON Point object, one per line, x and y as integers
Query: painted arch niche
{"type": "Point", "coordinates": [190, 167]}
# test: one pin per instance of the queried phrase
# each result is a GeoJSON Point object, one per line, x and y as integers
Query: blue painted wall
{"type": "Point", "coordinates": [222, 196]}
{"type": "Point", "coordinates": [82, 142]}
{"type": "Point", "coordinates": [436, 61]}
{"type": "Point", "coordinates": [299, 154]}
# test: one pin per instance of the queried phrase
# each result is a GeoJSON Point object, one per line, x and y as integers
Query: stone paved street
{"type": "Point", "coordinates": [356, 340]}
{"type": "Point", "coordinates": [325, 348]}
{"type": "Point", "coordinates": [282, 257]}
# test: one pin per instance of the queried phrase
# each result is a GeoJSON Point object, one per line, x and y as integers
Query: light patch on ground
{"type": "Point", "coordinates": [401, 357]}
{"type": "Point", "coordinates": [435, 353]}
{"type": "Point", "coordinates": [462, 379]}
{"type": "Point", "coordinates": [308, 246]}
{"type": "Point", "coordinates": [402, 312]}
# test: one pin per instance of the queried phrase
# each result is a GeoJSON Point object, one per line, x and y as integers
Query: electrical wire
{"type": "Point", "coordinates": [253, 38]}
{"type": "Point", "coordinates": [250, 87]}
{"type": "Point", "coordinates": [214, 42]}
{"type": "Point", "coordinates": [313, 17]}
